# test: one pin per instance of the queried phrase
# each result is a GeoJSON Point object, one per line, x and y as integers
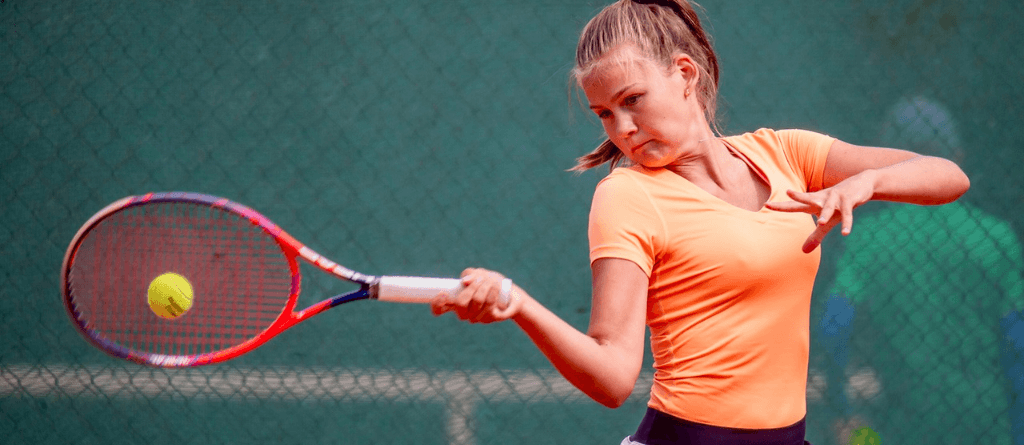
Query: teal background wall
{"type": "Point", "coordinates": [422, 137]}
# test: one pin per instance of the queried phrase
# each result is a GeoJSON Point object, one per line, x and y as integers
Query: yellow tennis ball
{"type": "Point", "coordinates": [170, 295]}
{"type": "Point", "coordinates": [865, 436]}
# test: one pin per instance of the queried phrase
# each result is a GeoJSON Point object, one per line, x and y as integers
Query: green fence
{"type": "Point", "coordinates": [422, 137]}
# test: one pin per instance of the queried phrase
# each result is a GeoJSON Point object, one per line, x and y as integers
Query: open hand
{"type": "Point", "coordinates": [830, 206]}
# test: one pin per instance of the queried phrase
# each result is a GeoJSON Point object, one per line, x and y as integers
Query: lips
{"type": "Point", "coordinates": [638, 147]}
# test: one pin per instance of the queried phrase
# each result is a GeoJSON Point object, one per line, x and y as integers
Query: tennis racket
{"type": "Point", "coordinates": [242, 270]}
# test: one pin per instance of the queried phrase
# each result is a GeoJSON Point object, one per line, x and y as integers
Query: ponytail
{"type": "Point", "coordinates": [606, 152]}
{"type": "Point", "coordinates": [685, 10]}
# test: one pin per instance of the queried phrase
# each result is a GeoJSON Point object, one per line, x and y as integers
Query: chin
{"type": "Point", "coordinates": [652, 161]}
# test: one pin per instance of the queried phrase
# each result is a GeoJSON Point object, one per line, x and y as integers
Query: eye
{"type": "Point", "coordinates": [632, 99]}
{"type": "Point", "coordinates": [603, 114]}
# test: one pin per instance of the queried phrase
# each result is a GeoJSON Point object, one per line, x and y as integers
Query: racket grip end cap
{"type": "Point", "coordinates": [506, 290]}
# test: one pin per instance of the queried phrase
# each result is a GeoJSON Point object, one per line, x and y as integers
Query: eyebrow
{"type": "Point", "coordinates": [616, 96]}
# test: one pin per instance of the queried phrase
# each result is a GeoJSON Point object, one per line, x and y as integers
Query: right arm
{"type": "Point", "coordinates": [605, 362]}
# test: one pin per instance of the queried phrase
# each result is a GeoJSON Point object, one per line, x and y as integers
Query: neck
{"type": "Point", "coordinates": [705, 161]}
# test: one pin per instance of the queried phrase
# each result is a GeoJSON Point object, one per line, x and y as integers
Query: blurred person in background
{"type": "Point", "coordinates": [912, 322]}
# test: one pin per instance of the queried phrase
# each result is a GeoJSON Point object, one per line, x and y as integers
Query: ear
{"type": "Point", "coordinates": [687, 67]}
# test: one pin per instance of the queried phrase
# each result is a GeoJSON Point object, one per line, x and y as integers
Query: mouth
{"type": "Point", "coordinates": [638, 147]}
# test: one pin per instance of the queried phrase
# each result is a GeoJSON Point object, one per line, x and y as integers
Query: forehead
{"type": "Point", "coordinates": [617, 69]}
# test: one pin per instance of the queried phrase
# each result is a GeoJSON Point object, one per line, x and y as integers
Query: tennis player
{"type": "Point", "coordinates": [708, 240]}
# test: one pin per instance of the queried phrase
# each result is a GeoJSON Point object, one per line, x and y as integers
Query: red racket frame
{"type": "Point", "coordinates": [288, 316]}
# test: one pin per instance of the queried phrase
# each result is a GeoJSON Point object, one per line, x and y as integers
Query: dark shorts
{"type": "Point", "coordinates": [658, 428]}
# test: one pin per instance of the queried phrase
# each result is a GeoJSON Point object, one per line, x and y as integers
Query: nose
{"type": "Point", "coordinates": [625, 127]}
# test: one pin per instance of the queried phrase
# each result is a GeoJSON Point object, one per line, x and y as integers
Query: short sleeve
{"type": "Point", "coordinates": [623, 222]}
{"type": "Point", "coordinates": [807, 152]}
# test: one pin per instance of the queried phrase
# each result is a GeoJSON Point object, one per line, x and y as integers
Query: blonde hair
{"type": "Point", "coordinates": [659, 30]}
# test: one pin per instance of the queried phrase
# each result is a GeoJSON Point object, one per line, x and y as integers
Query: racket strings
{"type": "Point", "coordinates": [240, 278]}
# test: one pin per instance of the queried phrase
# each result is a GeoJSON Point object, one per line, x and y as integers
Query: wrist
{"type": "Point", "coordinates": [524, 303]}
{"type": "Point", "coordinates": [872, 179]}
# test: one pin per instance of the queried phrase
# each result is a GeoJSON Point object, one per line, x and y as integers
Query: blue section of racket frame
{"type": "Point", "coordinates": [362, 294]}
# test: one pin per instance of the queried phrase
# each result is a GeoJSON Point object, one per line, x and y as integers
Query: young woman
{"type": "Point", "coordinates": [707, 240]}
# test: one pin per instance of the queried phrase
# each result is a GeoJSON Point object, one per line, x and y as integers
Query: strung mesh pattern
{"type": "Point", "coordinates": [239, 276]}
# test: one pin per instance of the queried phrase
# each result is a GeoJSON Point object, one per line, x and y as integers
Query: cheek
{"type": "Point", "coordinates": [662, 112]}
{"type": "Point", "coordinates": [668, 120]}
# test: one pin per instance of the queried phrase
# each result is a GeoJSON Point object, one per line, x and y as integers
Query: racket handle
{"type": "Point", "coordinates": [423, 289]}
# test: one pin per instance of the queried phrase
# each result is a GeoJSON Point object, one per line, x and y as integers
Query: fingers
{"type": "Point", "coordinates": [801, 202]}
{"type": "Point", "coordinates": [440, 304]}
{"type": "Point", "coordinates": [480, 299]}
{"type": "Point", "coordinates": [847, 213]}
{"type": "Point", "coordinates": [830, 216]}
{"type": "Point", "coordinates": [830, 207]}
{"type": "Point", "coordinates": [790, 206]}
{"type": "Point", "coordinates": [825, 216]}
{"type": "Point", "coordinates": [816, 237]}
{"type": "Point", "coordinates": [825, 222]}
{"type": "Point", "coordinates": [513, 306]}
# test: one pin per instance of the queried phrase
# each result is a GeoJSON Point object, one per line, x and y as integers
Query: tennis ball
{"type": "Point", "coordinates": [865, 436]}
{"type": "Point", "coordinates": [170, 295]}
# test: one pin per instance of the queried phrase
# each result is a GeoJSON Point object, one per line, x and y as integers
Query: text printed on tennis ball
{"type": "Point", "coordinates": [170, 295]}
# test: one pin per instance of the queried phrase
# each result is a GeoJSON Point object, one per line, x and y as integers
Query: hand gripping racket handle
{"type": "Point", "coordinates": [422, 290]}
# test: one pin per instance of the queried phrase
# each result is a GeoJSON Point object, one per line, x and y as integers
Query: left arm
{"type": "Point", "coordinates": [855, 175]}
{"type": "Point", "coordinates": [896, 175]}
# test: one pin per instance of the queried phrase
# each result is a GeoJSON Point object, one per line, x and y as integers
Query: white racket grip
{"type": "Point", "coordinates": [424, 289]}
{"type": "Point", "coordinates": [415, 289]}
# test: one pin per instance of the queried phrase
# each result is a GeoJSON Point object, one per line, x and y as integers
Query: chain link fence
{"type": "Point", "coordinates": [415, 137]}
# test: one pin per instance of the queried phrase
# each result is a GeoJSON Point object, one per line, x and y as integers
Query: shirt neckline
{"type": "Point", "coordinates": [710, 198]}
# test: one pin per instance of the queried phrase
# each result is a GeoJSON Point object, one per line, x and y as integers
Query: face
{"type": "Point", "coordinates": [644, 107]}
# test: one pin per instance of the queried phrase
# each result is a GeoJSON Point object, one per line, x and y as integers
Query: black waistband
{"type": "Point", "coordinates": [659, 428]}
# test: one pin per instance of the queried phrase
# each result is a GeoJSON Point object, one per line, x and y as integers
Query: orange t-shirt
{"type": "Point", "coordinates": [729, 296]}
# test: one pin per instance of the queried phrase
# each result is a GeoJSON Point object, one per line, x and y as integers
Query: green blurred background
{"type": "Point", "coordinates": [419, 138]}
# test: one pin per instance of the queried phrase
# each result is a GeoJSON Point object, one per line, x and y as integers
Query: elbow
{"type": "Point", "coordinates": [956, 185]}
{"type": "Point", "coordinates": [613, 404]}
{"type": "Point", "coordinates": [613, 396]}
{"type": "Point", "coordinates": [614, 401]}
{"type": "Point", "coordinates": [963, 183]}
{"type": "Point", "coordinates": [951, 184]}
